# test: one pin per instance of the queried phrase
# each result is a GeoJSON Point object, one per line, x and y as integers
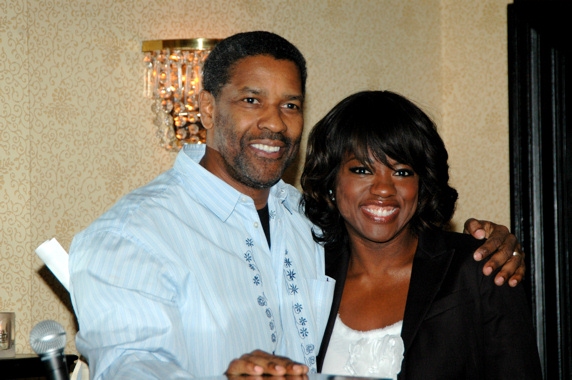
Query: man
{"type": "Point", "coordinates": [214, 259]}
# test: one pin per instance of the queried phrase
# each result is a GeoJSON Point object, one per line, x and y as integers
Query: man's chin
{"type": "Point", "coordinates": [259, 183]}
{"type": "Point", "coordinates": [253, 175]}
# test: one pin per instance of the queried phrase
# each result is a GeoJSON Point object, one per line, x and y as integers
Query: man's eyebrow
{"type": "Point", "coordinates": [250, 90]}
{"type": "Point", "coordinates": [296, 97]}
{"type": "Point", "coordinates": [258, 91]}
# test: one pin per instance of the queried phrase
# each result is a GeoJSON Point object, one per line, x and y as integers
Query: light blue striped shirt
{"type": "Point", "coordinates": [177, 279]}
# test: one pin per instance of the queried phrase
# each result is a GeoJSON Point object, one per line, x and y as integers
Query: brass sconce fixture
{"type": "Point", "coordinates": [173, 80]}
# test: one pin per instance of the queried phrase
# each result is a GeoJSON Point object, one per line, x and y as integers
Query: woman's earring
{"type": "Point", "coordinates": [332, 196]}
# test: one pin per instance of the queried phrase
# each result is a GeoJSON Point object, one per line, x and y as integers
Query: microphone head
{"type": "Point", "coordinates": [47, 336]}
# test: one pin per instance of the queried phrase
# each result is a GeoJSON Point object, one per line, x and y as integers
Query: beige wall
{"type": "Point", "coordinates": [76, 133]}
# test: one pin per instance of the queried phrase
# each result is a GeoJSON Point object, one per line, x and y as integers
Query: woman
{"type": "Point", "coordinates": [409, 297]}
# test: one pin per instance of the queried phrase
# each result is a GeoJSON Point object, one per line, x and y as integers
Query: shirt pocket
{"type": "Point", "coordinates": [321, 293]}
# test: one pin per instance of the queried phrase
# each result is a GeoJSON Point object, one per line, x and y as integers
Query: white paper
{"type": "Point", "coordinates": [56, 259]}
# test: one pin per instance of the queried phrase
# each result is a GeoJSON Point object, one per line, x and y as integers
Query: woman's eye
{"type": "Point", "coordinates": [404, 172]}
{"type": "Point", "coordinates": [360, 170]}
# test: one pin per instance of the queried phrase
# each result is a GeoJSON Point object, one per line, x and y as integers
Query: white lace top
{"type": "Point", "coordinates": [375, 353]}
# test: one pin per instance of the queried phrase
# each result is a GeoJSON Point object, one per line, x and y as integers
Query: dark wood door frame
{"type": "Point", "coordinates": [540, 79]}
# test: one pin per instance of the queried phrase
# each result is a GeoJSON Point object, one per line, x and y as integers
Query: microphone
{"type": "Point", "coordinates": [48, 339]}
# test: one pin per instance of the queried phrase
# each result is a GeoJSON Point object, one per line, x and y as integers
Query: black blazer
{"type": "Point", "coordinates": [458, 324]}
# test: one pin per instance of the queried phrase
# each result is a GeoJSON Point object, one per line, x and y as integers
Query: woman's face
{"type": "Point", "coordinates": [377, 202]}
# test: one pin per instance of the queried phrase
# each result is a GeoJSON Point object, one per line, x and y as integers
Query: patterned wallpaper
{"type": "Point", "coordinates": [76, 133]}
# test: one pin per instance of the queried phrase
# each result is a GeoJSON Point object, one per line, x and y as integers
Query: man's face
{"type": "Point", "coordinates": [257, 122]}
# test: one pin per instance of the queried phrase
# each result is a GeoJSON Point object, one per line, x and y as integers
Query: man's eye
{"type": "Point", "coordinates": [292, 106]}
{"type": "Point", "coordinates": [250, 100]}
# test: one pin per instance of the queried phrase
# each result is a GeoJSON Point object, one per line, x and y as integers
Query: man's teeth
{"type": "Point", "coordinates": [266, 148]}
{"type": "Point", "coordinates": [381, 211]}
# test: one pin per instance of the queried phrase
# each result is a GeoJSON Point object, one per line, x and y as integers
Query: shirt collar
{"type": "Point", "coordinates": [198, 181]}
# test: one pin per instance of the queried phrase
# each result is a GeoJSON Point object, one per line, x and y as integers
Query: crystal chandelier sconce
{"type": "Point", "coordinates": [173, 80]}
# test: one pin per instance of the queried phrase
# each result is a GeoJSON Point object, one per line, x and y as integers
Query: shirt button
{"type": "Point", "coordinates": [255, 224]}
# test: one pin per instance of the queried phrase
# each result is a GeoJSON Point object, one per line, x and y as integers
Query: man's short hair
{"type": "Point", "coordinates": [218, 66]}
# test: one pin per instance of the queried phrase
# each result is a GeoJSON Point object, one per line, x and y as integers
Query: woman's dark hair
{"type": "Point", "coordinates": [380, 125]}
{"type": "Point", "coordinates": [218, 66]}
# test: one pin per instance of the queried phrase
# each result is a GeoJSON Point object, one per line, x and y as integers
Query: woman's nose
{"type": "Point", "coordinates": [382, 185]}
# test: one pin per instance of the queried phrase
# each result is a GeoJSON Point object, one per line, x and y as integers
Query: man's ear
{"type": "Point", "coordinates": [206, 107]}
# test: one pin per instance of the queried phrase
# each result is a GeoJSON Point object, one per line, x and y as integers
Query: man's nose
{"type": "Point", "coordinates": [273, 120]}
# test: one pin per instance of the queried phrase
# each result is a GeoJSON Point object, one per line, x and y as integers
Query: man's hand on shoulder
{"type": "Point", "coordinates": [504, 247]}
{"type": "Point", "coordinates": [262, 363]}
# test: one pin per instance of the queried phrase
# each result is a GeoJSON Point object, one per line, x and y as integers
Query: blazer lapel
{"type": "Point", "coordinates": [430, 266]}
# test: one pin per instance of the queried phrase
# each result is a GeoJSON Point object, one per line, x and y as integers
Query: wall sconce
{"type": "Point", "coordinates": [173, 81]}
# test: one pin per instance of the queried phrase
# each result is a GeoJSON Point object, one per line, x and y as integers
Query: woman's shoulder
{"type": "Point", "coordinates": [458, 246]}
{"type": "Point", "coordinates": [462, 246]}
{"type": "Point", "coordinates": [437, 240]}
{"type": "Point", "coordinates": [457, 240]}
